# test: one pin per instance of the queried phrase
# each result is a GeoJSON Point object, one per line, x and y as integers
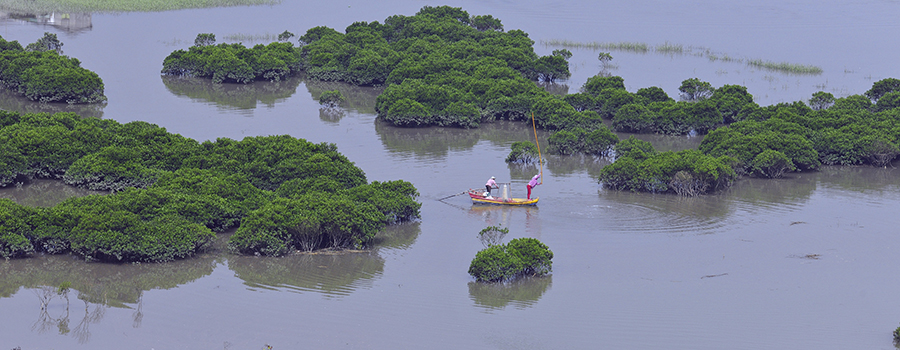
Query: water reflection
{"type": "Point", "coordinates": [100, 283]}
{"type": "Point", "coordinates": [44, 193]}
{"type": "Point", "coordinates": [241, 97]}
{"type": "Point", "coordinates": [12, 101]}
{"type": "Point", "coordinates": [438, 141]}
{"type": "Point", "coordinates": [333, 274]}
{"type": "Point", "coordinates": [862, 179]}
{"type": "Point", "coordinates": [521, 293]}
{"type": "Point", "coordinates": [567, 165]}
{"type": "Point", "coordinates": [60, 320]}
{"type": "Point", "coordinates": [789, 193]}
{"type": "Point", "coordinates": [399, 236]}
{"type": "Point", "coordinates": [332, 115]}
{"type": "Point", "coordinates": [52, 278]}
{"type": "Point", "coordinates": [72, 22]}
{"type": "Point", "coordinates": [661, 213]}
{"type": "Point", "coordinates": [356, 98]}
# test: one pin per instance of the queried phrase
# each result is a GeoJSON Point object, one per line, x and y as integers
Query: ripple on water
{"type": "Point", "coordinates": [338, 274]}
{"type": "Point", "coordinates": [628, 212]}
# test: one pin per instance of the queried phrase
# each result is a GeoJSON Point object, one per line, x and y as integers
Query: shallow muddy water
{"type": "Point", "coordinates": [801, 262]}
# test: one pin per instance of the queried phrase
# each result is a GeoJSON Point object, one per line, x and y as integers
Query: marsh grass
{"type": "Point", "coordinates": [670, 49]}
{"type": "Point", "coordinates": [47, 6]}
{"type": "Point", "coordinates": [786, 67]}
{"type": "Point", "coordinates": [251, 38]}
{"type": "Point", "coordinates": [620, 46]}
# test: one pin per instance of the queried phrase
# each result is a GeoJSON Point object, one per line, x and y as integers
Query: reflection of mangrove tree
{"type": "Point", "coordinates": [438, 141]}
{"type": "Point", "coordinates": [335, 274]}
{"type": "Point", "coordinates": [400, 236]}
{"type": "Point", "coordinates": [521, 293]}
{"type": "Point", "coordinates": [53, 278]}
{"type": "Point", "coordinates": [792, 191]}
{"type": "Point", "coordinates": [566, 165]}
{"type": "Point", "coordinates": [861, 179]}
{"type": "Point", "coordinates": [357, 98]}
{"type": "Point", "coordinates": [232, 96]}
{"type": "Point", "coordinates": [11, 101]}
{"type": "Point", "coordinates": [173, 192]}
{"type": "Point", "coordinates": [110, 285]}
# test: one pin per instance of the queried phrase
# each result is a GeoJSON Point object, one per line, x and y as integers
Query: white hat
{"type": "Point", "coordinates": [493, 177]}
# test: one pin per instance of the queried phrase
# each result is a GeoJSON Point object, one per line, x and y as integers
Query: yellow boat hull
{"type": "Point", "coordinates": [478, 198]}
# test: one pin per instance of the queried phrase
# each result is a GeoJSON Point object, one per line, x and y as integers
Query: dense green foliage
{"type": "Point", "coordinates": [233, 62]}
{"type": "Point", "coordinates": [843, 131]}
{"type": "Point", "coordinates": [689, 173]}
{"type": "Point", "coordinates": [331, 99]}
{"type": "Point", "coordinates": [41, 73]}
{"type": "Point", "coordinates": [650, 110]}
{"type": "Point", "coordinates": [758, 141]}
{"type": "Point", "coordinates": [172, 193]}
{"type": "Point", "coordinates": [522, 152]}
{"type": "Point", "coordinates": [520, 257]}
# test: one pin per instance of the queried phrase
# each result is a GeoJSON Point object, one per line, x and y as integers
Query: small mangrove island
{"type": "Point", "coordinates": [41, 73]}
{"type": "Point", "coordinates": [170, 194]}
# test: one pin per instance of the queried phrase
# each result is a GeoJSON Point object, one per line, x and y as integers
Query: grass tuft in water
{"type": "Point", "coordinates": [251, 38]}
{"type": "Point", "coordinates": [668, 48]}
{"type": "Point", "coordinates": [48, 6]}
{"type": "Point", "coordinates": [786, 67]}
{"type": "Point", "coordinates": [620, 46]}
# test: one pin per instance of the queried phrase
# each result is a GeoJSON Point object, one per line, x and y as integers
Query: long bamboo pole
{"type": "Point", "coordinates": [540, 158]}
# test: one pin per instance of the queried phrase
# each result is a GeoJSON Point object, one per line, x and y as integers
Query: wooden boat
{"type": "Point", "coordinates": [479, 198]}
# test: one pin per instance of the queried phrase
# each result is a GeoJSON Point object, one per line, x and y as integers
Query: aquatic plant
{"type": "Point", "coordinates": [619, 46]}
{"type": "Point", "coordinates": [518, 258]}
{"type": "Point", "coordinates": [785, 67]}
{"type": "Point", "coordinates": [47, 6]}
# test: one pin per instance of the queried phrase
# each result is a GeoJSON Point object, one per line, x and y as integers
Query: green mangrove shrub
{"type": "Point", "coordinates": [518, 258]}
{"type": "Point", "coordinates": [14, 230]}
{"type": "Point", "coordinates": [685, 173]}
{"type": "Point", "coordinates": [331, 99]}
{"type": "Point", "coordinates": [41, 73]}
{"type": "Point", "coordinates": [597, 142]}
{"type": "Point", "coordinates": [233, 63]}
{"type": "Point", "coordinates": [492, 235]}
{"type": "Point", "coordinates": [522, 152]}
{"type": "Point", "coordinates": [171, 193]}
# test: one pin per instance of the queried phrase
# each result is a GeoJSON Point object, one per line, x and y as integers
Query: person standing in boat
{"type": "Point", "coordinates": [489, 185]}
{"type": "Point", "coordinates": [532, 183]}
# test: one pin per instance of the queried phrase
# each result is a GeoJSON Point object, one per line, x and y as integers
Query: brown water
{"type": "Point", "coordinates": [797, 263]}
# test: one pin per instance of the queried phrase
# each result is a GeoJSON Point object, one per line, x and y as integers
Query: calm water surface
{"type": "Point", "coordinates": [797, 263]}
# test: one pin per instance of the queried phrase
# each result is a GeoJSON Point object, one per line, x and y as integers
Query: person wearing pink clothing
{"type": "Point", "coordinates": [490, 184]}
{"type": "Point", "coordinates": [532, 183]}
